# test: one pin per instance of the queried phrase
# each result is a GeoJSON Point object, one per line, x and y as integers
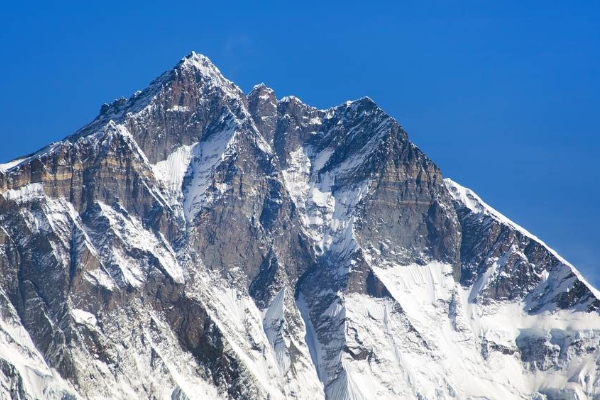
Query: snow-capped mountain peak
{"type": "Point", "coordinates": [194, 242]}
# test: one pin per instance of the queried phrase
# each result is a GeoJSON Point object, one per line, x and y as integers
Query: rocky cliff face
{"type": "Point", "coordinates": [194, 242]}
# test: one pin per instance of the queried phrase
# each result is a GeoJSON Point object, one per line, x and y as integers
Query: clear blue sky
{"type": "Point", "coordinates": [503, 96]}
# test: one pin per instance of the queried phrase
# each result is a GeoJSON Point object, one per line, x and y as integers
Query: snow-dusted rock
{"type": "Point", "coordinates": [193, 242]}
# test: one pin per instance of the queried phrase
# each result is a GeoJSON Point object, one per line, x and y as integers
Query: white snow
{"type": "Point", "coordinates": [16, 348]}
{"type": "Point", "coordinates": [328, 216]}
{"type": "Point", "coordinates": [178, 108]}
{"type": "Point", "coordinates": [172, 170]}
{"type": "Point", "coordinates": [84, 317]}
{"type": "Point", "coordinates": [11, 164]}
{"type": "Point", "coordinates": [290, 99]}
{"type": "Point", "coordinates": [206, 156]}
{"type": "Point", "coordinates": [144, 346]}
{"type": "Point", "coordinates": [261, 340]}
{"type": "Point", "coordinates": [475, 204]}
{"type": "Point", "coordinates": [274, 322]}
{"type": "Point", "coordinates": [315, 121]}
{"type": "Point", "coordinates": [25, 193]}
{"type": "Point", "coordinates": [267, 91]}
{"type": "Point", "coordinates": [132, 234]}
{"type": "Point", "coordinates": [321, 158]}
{"type": "Point", "coordinates": [211, 74]}
{"type": "Point", "coordinates": [429, 347]}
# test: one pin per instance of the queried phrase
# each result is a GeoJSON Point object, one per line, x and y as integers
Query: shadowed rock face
{"type": "Point", "coordinates": [195, 242]}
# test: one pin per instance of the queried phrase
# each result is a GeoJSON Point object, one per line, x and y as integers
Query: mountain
{"type": "Point", "coordinates": [195, 242]}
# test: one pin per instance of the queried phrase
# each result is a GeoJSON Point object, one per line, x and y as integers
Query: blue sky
{"type": "Point", "coordinates": [503, 96]}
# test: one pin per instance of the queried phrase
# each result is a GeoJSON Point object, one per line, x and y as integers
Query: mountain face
{"type": "Point", "coordinates": [195, 242]}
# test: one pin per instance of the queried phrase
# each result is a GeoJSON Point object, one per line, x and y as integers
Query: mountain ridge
{"type": "Point", "coordinates": [196, 242]}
